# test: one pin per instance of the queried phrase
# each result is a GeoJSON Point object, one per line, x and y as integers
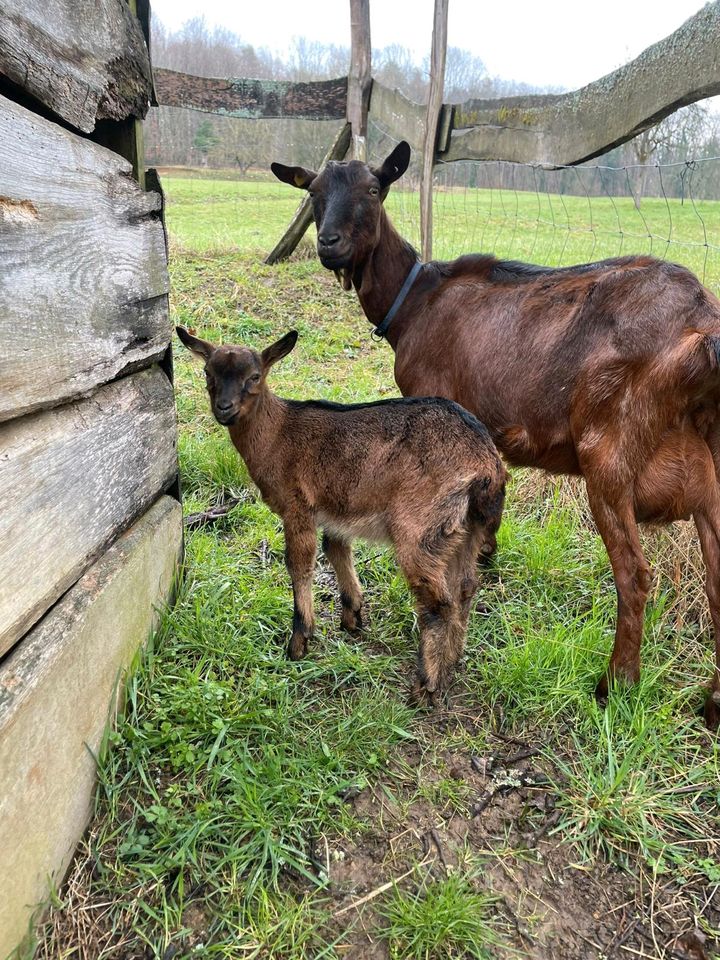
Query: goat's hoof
{"type": "Point", "coordinates": [420, 696]}
{"type": "Point", "coordinates": [620, 677]}
{"type": "Point", "coordinates": [297, 648]}
{"type": "Point", "coordinates": [351, 622]}
{"type": "Point", "coordinates": [711, 712]}
{"type": "Point", "coordinates": [601, 690]}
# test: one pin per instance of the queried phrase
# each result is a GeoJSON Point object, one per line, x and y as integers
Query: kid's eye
{"type": "Point", "coordinates": [254, 378]}
{"type": "Point", "coordinates": [374, 191]}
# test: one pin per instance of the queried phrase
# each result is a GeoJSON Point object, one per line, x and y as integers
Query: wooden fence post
{"type": "Point", "coordinates": [304, 213]}
{"type": "Point", "coordinates": [437, 82]}
{"type": "Point", "coordinates": [359, 79]}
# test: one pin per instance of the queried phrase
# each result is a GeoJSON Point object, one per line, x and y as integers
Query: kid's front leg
{"type": "Point", "coordinates": [300, 548]}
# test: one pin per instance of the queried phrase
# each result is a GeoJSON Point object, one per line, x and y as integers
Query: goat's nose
{"type": "Point", "coordinates": [328, 239]}
{"type": "Point", "coordinates": [223, 407]}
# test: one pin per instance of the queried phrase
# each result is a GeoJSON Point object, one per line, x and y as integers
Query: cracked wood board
{"type": "Point", "coordinates": [86, 60]}
{"type": "Point", "coordinates": [57, 691]}
{"type": "Point", "coordinates": [84, 284]}
{"type": "Point", "coordinates": [70, 480]}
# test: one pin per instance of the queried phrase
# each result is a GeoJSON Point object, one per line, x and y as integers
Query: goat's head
{"type": "Point", "coordinates": [235, 375]}
{"type": "Point", "coordinates": [347, 199]}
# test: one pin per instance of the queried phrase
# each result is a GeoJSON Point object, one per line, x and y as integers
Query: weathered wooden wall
{"type": "Point", "coordinates": [89, 539]}
{"type": "Point", "coordinates": [84, 281]}
{"type": "Point", "coordinates": [58, 690]}
{"type": "Point", "coordinates": [86, 60]}
{"type": "Point", "coordinates": [71, 479]}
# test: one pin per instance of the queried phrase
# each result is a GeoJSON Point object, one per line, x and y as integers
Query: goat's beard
{"type": "Point", "coordinates": [344, 277]}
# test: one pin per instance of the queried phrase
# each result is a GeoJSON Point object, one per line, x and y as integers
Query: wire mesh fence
{"type": "Point", "coordinates": [568, 214]}
{"type": "Point", "coordinates": [518, 211]}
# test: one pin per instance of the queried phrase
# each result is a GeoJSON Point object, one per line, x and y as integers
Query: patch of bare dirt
{"type": "Point", "coordinates": [550, 905]}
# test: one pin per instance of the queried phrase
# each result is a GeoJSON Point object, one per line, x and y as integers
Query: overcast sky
{"type": "Point", "coordinates": [561, 43]}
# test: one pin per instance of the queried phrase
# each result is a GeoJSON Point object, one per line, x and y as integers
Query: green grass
{"type": "Point", "coordinates": [444, 919]}
{"type": "Point", "coordinates": [206, 214]}
{"type": "Point", "coordinates": [232, 765]}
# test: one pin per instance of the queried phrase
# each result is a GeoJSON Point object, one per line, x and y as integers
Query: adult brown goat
{"type": "Point", "coordinates": [609, 370]}
{"type": "Point", "coordinates": [422, 474]}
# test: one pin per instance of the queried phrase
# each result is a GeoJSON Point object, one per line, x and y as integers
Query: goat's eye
{"type": "Point", "coordinates": [374, 191]}
{"type": "Point", "coordinates": [254, 378]}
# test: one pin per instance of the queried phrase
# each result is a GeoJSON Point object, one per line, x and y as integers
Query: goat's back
{"type": "Point", "coordinates": [363, 460]}
{"type": "Point", "coordinates": [528, 348]}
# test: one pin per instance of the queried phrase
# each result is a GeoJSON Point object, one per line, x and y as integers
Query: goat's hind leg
{"type": "Point", "coordinates": [708, 527]}
{"type": "Point", "coordinates": [427, 577]}
{"type": "Point", "coordinates": [464, 583]}
{"type": "Point", "coordinates": [339, 553]}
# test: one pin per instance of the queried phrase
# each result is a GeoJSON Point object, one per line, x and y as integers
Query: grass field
{"type": "Point", "coordinates": [250, 807]}
{"type": "Point", "coordinates": [541, 228]}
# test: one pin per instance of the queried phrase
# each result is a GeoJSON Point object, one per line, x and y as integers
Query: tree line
{"type": "Point", "coordinates": [246, 147]}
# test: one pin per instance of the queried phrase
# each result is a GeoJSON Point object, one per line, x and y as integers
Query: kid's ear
{"type": "Point", "coordinates": [200, 349]}
{"type": "Point", "coordinates": [276, 351]}
{"type": "Point", "coordinates": [295, 176]}
{"type": "Point", "coordinates": [394, 166]}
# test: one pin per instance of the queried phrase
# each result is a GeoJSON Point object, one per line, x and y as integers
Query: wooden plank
{"type": "Point", "coordinates": [57, 691]}
{"type": "Point", "coordinates": [252, 99]}
{"type": "Point", "coordinates": [70, 480]}
{"type": "Point", "coordinates": [304, 214]}
{"type": "Point", "coordinates": [83, 59]}
{"type": "Point", "coordinates": [84, 283]}
{"type": "Point", "coordinates": [400, 117]}
{"type": "Point", "coordinates": [573, 127]}
{"type": "Point", "coordinates": [432, 116]}
{"type": "Point", "coordinates": [360, 78]}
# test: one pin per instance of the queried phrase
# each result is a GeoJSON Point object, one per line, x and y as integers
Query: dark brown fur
{"type": "Point", "coordinates": [608, 370]}
{"type": "Point", "coordinates": [422, 474]}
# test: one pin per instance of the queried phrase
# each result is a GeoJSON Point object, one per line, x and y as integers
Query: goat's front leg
{"type": "Point", "coordinates": [300, 547]}
{"type": "Point", "coordinates": [618, 529]}
{"type": "Point", "coordinates": [339, 553]}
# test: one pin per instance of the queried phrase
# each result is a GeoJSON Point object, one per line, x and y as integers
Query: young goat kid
{"type": "Point", "coordinates": [422, 474]}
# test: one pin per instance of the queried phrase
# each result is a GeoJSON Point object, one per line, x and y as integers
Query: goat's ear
{"type": "Point", "coordinates": [200, 349]}
{"type": "Point", "coordinates": [394, 166]}
{"type": "Point", "coordinates": [276, 351]}
{"type": "Point", "coordinates": [295, 176]}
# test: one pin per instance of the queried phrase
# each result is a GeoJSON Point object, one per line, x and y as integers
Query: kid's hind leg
{"type": "Point", "coordinates": [463, 581]}
{"type": "Point", "coordinates": [437, 609]}
{"type": "Point", "coordinates": [339, 553]}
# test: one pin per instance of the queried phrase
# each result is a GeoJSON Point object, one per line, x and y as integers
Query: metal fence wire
{"type": "Point", "coordinates": [565, 215]}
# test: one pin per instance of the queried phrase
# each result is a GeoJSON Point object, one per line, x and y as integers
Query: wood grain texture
{"type": "Point", "coordinates": [84, 283]}
{"type": "Point", "coordinates": [434, 107]}
{"type": "Point", "coordinates": [360, 77]}
{"type": "Point", "coordinates": [70, 480]}
{"type": "Point", "coordinates": [58, 689]}
{"type": "Point", "coordinates": [252, 99]}
{"type": "Point", "coordinates": [570, 128]}
{"type": "Point", "coordinates": [401, 117]}
{"type": "Point", "coordinates": [83, 59]}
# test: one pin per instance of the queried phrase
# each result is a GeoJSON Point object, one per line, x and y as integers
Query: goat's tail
{"type": "Point", "coordinates": [474, 505]}
{"type": "Point", "coordinates": [485, 507]}
{"type": "Point", "coordinates": [700, 361]}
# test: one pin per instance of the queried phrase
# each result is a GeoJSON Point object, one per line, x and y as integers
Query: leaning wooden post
{"type": "Point", "coordinates": [437, 82]}
{"type": "Point", "coordinates": [359, 79]}
{"type": "Point", "coordinates": [304, 213]}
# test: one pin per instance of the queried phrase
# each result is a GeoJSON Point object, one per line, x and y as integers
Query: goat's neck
{"type": "Point", "coordinates": [254, 435]}
{"type": "Point", "coordinates": [379, 279]}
